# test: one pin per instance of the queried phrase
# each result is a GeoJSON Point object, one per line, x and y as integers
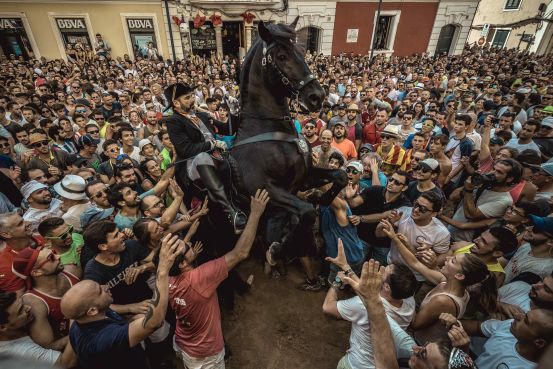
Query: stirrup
{"type": "Point", "coordinates": [234, 220]}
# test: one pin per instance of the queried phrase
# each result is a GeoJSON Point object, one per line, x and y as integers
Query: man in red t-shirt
{"type": "Point", "coordinates": [371, 131]}
{"type": "Point", "coordinates": [193, 296]}
{"type": "Point", "coordinates": [16, 233]}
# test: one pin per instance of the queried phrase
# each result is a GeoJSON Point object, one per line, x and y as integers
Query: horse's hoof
{"type": "Point", "coordinates": [269, 258]}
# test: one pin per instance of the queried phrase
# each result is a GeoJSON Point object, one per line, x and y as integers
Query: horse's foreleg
{"type": "Point", "coordinates": [296, 212]}
{"type": "Point", "coordinates": [320, 176]}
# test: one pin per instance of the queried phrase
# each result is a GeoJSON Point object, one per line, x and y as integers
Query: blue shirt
{"type": "Point", "coordinates": [331, 230]}
{"type": "Point", "coordinates": [105, 344]}
{"type": "Point", "coordinates": [367, 182]}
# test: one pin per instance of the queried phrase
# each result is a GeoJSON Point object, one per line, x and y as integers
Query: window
{"type": "Point", "coordinates": [512, 4]}
{"type": "Point", "coordinates": [500, 37]}
{"type": "Point", "coordinates": [384, 34]}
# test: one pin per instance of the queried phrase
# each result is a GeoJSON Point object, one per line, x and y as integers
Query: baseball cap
{"type": "Point", "coordinates": [495, 140]}
{"type": "Point", "coordinates": [547, 121]}
{"type": "Point", "coordinates": [30, 187]}
{"type": "Point", "coordinates": [431, 164]}
{"type": "Point", "coordinates": [87, 140]}
{"type": "Point", "coordinates": [143, 143]}
{"type": "Point", "coordinates": [367, 146]}
{"type": "Point", "coordinates": [339, 123]}
{"type": "Point", "coordinates": [355, 165]}
{"type": "Point", "coordinates": [547, 168]}
{"type": "Point", "coordinates": [75, 159]}
{"type": "Point", "coordinates": [542, 224]}
{"type": "Point", "coordinates": [342, 106]}
{"type": "Point", "coordinates": [24, 263]}
{"type": "Point", "coordinates": [93, 214]}
{"type": "Point", "coordinates": [547, 110]}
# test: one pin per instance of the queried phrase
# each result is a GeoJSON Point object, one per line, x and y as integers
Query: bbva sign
{"type": "Point", "coordinates": [71, 23]}
{"type": "Point", "coordinates": [140, 23]}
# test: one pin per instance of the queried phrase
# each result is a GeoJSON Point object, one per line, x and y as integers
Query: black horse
{"type": "Point", "coordinates": [268, 150]}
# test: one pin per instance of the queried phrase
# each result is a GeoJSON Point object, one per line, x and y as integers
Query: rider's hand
{"type": "Point", "coordinates": [221, 145]}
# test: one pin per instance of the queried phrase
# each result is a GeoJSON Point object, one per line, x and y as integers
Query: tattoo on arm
{"type": "Point", "coordinates": [153, 304]}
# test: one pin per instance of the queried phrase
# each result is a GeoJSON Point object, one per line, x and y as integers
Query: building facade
{"type": "Point", "coordinates": [495, 23]}
{"type": "Point", "coordinates": [37, 28]}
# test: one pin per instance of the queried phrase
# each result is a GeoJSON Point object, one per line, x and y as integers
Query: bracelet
{"type": "Point", "coordinates": [348, 272]}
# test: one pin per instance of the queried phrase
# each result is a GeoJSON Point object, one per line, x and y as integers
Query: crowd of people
{"type": "Point", "coordinates": [449, 162]}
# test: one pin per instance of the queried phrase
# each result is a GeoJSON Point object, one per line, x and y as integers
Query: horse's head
{"type": "Point", "coordinates": [285, 66]}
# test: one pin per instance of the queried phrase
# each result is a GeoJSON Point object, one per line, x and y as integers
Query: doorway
{"type": "Point", "coordinates": [446, 39]}
{"type": "Point", "coordinates": [308, 38]}
{"type": "Point", "coordinates": [232, 33]}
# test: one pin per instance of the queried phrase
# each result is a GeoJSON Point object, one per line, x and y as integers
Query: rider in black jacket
{"type": "Point", "coordinates": [193, 135]}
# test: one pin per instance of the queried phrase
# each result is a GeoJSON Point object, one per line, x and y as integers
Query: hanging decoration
{"type": "Point", "coordinates": [177, 20]}
{"type": "Point", "coordinates": [248, 17]}
{"type": "Point", "coordinates": [216, 20]}
{"type": "Point", "coordinates": [199, 21]}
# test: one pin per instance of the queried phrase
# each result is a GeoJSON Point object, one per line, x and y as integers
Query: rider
{"type": "Point", "coordinates": [193, 135]}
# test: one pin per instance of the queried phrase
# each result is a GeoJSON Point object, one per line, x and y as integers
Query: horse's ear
{"type": "Point", "coordinates": [264, 33]}
{"type": "Point", "coordinates": [295, 22]}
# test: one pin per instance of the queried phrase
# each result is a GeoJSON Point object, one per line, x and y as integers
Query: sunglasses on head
{"type": "Point", "coordinates": [422, 208]}
{"type": "Point", "coordinates": [352, 170]}
{"type": "Point", "coordinates": [40, 144]}
{"type": "Point", "coordinates": [50, 258]}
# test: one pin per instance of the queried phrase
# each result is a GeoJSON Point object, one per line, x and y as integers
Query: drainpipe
{"type": "Point", "coordinates": [170, 29]}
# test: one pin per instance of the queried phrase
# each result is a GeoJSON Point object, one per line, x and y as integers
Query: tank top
{"type": "Point", "coordinates": [332, 230]}
{"type": "Point", "coordinates": [58, 322]}
{"type": "Point", "coordinates": [438, 330]}
{"type": "Point", "coordinates": [517, 190]}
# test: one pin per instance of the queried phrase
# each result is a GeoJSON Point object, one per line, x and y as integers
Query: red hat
{"type": "Point", "coordinates": [24, 262]}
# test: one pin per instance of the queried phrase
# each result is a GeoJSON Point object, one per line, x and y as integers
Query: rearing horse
{"type": "Point", "coordinates": [269, 152]}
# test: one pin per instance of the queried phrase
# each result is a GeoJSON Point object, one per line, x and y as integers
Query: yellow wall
{"type": "Point", "coordinates": [104, 19]}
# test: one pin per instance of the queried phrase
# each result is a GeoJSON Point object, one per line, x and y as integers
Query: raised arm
{"type": "Point", "coordinates": [140, 329]}
{"type": "Point", "coordinates": [433, 276]}
{"type": "Point", "coordinates": [244, 245]}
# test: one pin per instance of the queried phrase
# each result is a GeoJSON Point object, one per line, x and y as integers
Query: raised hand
{"type": "Point", "coordinates": [192, 230]}
{"type": "Point", "coordinates": [171, 246]}
{"type": "Point", "coordinates": [340, 260]}
{"type": "Point", "coordinates": [259, 202]}
{"type": "Point", "coordinates": [368, 286]}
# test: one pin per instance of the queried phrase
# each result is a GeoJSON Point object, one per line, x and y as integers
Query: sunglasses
{"type": "Point", "coordinates": [423, 169]}
{"type": "Point", "coordinates": [50, 258]}
{"type": "Point", "coordinates": [5, 144]}
{"type": "Point", "coordinates": [40, 144]}
{"type": "Point", "coordinates": [423, 209]}
{"type": "Point", "coordinates": [101, 119]}
{"type": "Point", "coordinates": [512, 209]}
{"type": "Point", "coordinates": [76, 86]}
{"type": "Point", "coordinates": [309, 127]}
{"type": "Point", "coordinates": [62, 236]}
{"type": "Point", "coordinates": [100, 193]}
{"type": "Point", "coordinates": [396, 182]}
{"type": "Point", "coordinates": [352, 170]}
{"type": "Point", "coordinates": [80, 111]}
{"type": "Point", "coordinates": [386, 137]}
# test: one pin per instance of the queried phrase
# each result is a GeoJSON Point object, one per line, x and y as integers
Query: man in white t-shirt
{"type": "Point", "coordinates": [516, 343]}
{"type": "Point", "coordinates": [489, 200]}
{"type": "Point", "coordinates": [14, 338]}
{"type": "Point", "coordinates": [535, 255]}
{"type": "Point", "coordinates": [397, 297]}
{"type": "Point", "coordinates": [525, 296]}
{"type": "Point", "coordinates": [421, 227]}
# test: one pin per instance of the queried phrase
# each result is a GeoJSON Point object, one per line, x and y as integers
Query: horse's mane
{"type": "Point", "coordinates": [281, 33]}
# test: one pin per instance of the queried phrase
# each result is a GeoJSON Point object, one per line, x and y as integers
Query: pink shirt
{"type": "Point", "coordinates": [193, 298]}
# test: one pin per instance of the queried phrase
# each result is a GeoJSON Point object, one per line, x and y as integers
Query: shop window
{"type": "Point", "coordinates": [500, 38]}
{"type": "Point", "coordinates": [512, 4]}
{"type": "Point", "coordinates": [385, 30]}
{"type": "Point", "coordinates": [308, 38]}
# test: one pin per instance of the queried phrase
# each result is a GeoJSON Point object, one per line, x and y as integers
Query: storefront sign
{"type": "Point", "coordinates": [10, 23]}
{"type": "Point", "coordinates": [71, 24]}
{"type": "Point", "coordinates": [203, 39]}
{"type": "Point", "coordinates": [140, 24]}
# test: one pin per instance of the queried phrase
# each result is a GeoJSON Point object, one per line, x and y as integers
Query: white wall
{"type": "Point", "coordinates": [460, 13]}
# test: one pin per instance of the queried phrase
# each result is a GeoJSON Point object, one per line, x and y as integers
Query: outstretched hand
{"type": "Point", "coordinates": [340, 260]}
{"type": "Point", "coordinates": [368, 286]}
{"type": "Point", "coordinates": [171, 246]}
{"type": "Point", "coordinates": [259, 202]}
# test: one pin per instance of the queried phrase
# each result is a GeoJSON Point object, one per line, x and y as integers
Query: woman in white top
{"type": "Point", "coordinates": [450, 294]}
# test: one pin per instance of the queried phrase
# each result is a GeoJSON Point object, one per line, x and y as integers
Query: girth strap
{"type": "Point", "coordinates": [268, 136]}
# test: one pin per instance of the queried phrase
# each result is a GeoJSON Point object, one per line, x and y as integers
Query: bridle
{"type": "Point", "coordinates": [294, 88]}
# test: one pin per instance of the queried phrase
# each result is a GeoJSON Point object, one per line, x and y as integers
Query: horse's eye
{"type": "Point", "coordinates": [281, 57]}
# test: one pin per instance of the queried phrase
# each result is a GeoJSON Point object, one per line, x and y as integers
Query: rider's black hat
{"type": "Point", "coordinates": [176, 90]}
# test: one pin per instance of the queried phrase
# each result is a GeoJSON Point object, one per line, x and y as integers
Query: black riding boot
{"type": "Point", "coordinates": [217, 194]}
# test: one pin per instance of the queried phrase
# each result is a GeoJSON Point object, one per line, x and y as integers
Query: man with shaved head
{"type": "Point", "coordinates": [102, 338]}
